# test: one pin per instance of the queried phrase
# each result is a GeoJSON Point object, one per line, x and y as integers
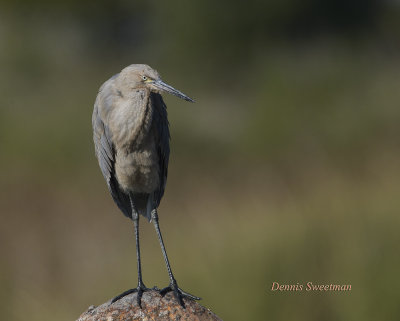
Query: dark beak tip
{"type": "Point", "coordinates": [171, 90]}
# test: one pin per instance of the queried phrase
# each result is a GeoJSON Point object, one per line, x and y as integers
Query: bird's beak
{"type": "Point", "coordinates": [162, 86]}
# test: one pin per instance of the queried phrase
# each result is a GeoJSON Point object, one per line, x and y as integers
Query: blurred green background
{"type": "Point", "coordinates": [286, 169]}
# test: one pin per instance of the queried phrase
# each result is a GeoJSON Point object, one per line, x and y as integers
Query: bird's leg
{"type": "Point", "coordinates": [140, 287]}
{"type": "Point", "coordinates": [139, 263]}
{"type": "Point", "coordinates": [173, 285]}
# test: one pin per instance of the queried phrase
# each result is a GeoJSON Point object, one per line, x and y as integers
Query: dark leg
{"type": "Point", "coordinates": [140, 287]}
{"type": "Point", "coordinates": [173, 286]}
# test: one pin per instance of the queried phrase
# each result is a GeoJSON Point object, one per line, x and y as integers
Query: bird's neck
{"type": "Point", "coordinates": [132, 117]}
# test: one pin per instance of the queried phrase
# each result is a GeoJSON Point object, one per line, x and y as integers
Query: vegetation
{"type": "Point", "coordinates": [285, 170]}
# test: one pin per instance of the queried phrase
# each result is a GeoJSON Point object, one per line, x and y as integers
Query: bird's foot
{"type": "Point", "coordinates": [178, 293]}
{"type": "Point", "coordinates": [141, 288]}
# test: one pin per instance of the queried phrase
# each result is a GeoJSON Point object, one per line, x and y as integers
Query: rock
{"type": "Point", "coordinates": [154, 307]}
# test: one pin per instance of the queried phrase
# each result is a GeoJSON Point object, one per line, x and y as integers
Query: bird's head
{"type": "Point", "coordinates": [136, 77]}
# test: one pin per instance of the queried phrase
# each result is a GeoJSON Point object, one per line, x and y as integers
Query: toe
{"type": "Point", "coordinates": [165, 290]}
{"type": "Point", "coordinates": [139, 297]}
{"type": "Point", "coordinates": [122, 295]}
{"type": "Point", "coordinates": [190, 296]}
{"type": "Point", "coordinates": [179, 298]}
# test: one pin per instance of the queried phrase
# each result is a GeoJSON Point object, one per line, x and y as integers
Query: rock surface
{"type": "Point", "coordinates": [154, 307]}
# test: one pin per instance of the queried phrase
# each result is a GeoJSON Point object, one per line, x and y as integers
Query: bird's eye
{"type": "Point", "coordinates": [144, 77]}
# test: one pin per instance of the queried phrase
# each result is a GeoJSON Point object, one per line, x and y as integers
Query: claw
{"type": "Point", "coordinates": [178, 293]}
{"type": "Point", "coordinates": [140, 290]}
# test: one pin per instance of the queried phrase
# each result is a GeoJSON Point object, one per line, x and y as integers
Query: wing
{"type": "Point", "coordinates": [106, 155]}
{"type": "Point", "coordinates": [163, 137]}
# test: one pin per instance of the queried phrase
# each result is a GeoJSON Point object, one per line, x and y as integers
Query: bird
{"type": "Point", "coordinates": [131, 138]}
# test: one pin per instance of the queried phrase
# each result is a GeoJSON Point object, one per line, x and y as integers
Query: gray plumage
{"type": "Point", "coordinates": [131, 137]}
